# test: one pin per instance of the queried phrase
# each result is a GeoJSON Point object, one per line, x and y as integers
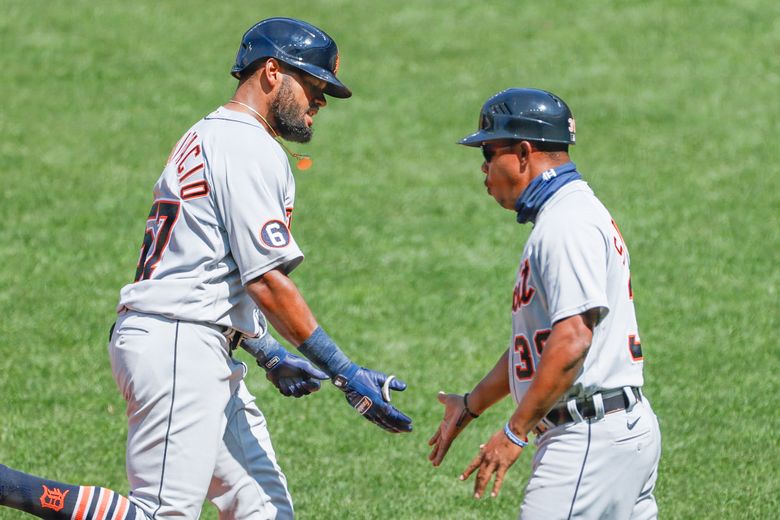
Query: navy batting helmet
{"type": "Point", "coordinates": [523, 114]}
{"type": "Point", "coordinates": [296, 43]}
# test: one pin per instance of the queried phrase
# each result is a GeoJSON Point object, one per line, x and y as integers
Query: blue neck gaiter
{"type": "Point", "coordinates": [542, 188]}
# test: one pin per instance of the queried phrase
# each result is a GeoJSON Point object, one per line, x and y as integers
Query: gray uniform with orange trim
{"type": "Point", "coordinates": [220, 218]}
{"type": "Point", "coordinates": [575, 260]}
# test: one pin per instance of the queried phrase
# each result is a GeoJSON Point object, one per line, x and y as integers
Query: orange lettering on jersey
{"type": "Point", "coordinates": [194, 190]}
{"type": "Point", "coordinates": [194, 152]}
{"type": "Point", "coordinates": [53, 498]}
{"type": "Point", "coordinates": [177, 147]}
{"type": "Point", "coordinates": [188, 155]}
{"type": "Point", "coordinates": [621, 247]}
{"type": "Point", "coordinates": [184, 145]}
{"type": "Point", "coordinates": [522, 293]}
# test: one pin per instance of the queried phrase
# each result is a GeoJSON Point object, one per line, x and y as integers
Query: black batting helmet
{"type": "Point", "coordinates": [526, 114]}
{"type": "Point", "coordinates": [296, 43]}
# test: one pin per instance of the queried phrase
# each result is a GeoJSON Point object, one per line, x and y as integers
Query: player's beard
{"type": "Point", "coordinates": [289, 115]}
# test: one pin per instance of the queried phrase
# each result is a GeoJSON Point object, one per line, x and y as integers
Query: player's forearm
{"type": "Point", "coordinates": [283, 305]}
{"type": "Point", "coordinates": [493, 387]}
{"type": "Point", "coordinates": [563, 357]}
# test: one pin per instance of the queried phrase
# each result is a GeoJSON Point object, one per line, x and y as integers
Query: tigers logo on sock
{"type": "Point", "coordinates": [53, 498]}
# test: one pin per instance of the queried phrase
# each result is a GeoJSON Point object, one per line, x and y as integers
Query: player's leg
{"type": "Point", "coordinates": [59, 501]}
{"type": "Point", "coordinates": [176, 379]}
{"type": "Point", "coordinates": [555, 475]}
{"type": "Point", "coordinates": [248, 482]}
{"type": "Point", "coordinates": [645, 506]}
{"type": "Point", "coordinates": [594, 469]}
{"type": "Point", "coordinates": [623, 473]}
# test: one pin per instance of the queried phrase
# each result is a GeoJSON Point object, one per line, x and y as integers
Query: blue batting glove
{"type": "Point", "coordinates": [363, 389]}
{"type": "Point", "coordinates": [292, 375]}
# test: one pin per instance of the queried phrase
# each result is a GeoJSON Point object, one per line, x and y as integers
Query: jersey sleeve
{"type": "Point", "coordinates": [251, 196]}
{"type": "Point", "coordinates": [573, 265]}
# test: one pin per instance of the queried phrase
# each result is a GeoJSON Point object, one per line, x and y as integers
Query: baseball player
{"type": "Point", "coordinates": [213, 266]}
{"type": "Point", "coordinates": [574, 362]}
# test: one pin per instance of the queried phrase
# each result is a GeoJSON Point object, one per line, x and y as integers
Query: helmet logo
{"type": "Point", "coordinates": [336, 65]}
{"type": "Point", "coordinates": [572, 128]}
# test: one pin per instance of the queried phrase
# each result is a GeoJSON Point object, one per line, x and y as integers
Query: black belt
{"type": "Point", "coordinates": [234, 338]}
{"type": "Point", "coordinates": [613, 402]}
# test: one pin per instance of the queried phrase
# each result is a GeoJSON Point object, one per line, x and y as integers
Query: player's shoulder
{"type": "Point", "coordinates": [572, 214]}
{"type": "Point", "coordinates": [573, 205]}
{"type": "Point", "coordinates": [227, 126]}
{"type": "Point", "coordinates": [235, 138]}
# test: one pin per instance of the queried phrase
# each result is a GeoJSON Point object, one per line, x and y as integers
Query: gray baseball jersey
{"type": "Point", "coordinates": [220, 218]}
{"type": "Point", "coordinates": [575, 260]}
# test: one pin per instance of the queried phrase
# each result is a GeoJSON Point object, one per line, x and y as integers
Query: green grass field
{"type": "Point", "coordinates": [409, 264]}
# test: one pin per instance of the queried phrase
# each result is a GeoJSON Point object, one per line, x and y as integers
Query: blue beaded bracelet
{"type": "Point", "coordinates": [514, 438]}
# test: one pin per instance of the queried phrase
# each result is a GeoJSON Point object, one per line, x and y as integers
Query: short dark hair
{"type": "Point", "coordinates": [250, 69]}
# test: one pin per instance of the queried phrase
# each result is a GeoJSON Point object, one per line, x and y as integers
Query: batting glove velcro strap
{"type": "Point", "coordinates": [363, 390]}
{"type": "Point", "coordinates": [323, 352]}
{"type": "Point", "coordinates": [265, 349]}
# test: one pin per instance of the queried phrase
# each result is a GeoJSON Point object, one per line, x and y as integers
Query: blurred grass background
{"type": "Point", "coordinates": [409, 264]}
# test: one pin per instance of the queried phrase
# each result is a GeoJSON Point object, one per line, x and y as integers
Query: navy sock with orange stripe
{"type": "Point", "coordinates": [58, 501]}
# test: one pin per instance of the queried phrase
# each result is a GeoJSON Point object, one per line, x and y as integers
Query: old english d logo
{"type": "Point", "coordinates": [523, 292]}
{"type": "Point", "coordinates": [53, 498]}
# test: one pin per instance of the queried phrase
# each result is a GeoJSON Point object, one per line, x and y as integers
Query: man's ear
{"type": "Point", "coordinates": [525, 149]}
{"type": "Point", "coordinates": [273, 72]}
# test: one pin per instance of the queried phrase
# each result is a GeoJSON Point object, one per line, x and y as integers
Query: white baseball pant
{"type": "Point", "coordinates": [598, 468]}
{"type": "Point", "coordinates": [194, 431]}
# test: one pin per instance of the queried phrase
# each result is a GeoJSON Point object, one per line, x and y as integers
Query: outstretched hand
{"type": "Point", "coordinates": [495, 457]}
{"type": "Point", "coordinates": [456, 418]}
{"type": "Point", "coordinates": [364, 392]}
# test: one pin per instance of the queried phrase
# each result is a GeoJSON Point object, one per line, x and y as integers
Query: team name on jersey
{"type": "Point", "coordinates": [187, 156]}
{"type": "Point", "coordinates": [523, 293]}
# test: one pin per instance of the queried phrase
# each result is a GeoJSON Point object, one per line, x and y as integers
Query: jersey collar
{"type": "Point", "coordinates": [541, 188]}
